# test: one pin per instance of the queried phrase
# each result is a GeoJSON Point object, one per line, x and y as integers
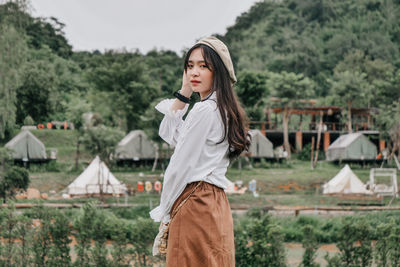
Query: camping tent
{"type": "Point", "coordinates": [26, 147]}
{"type": "Point", "coordinates": [260, 146]}
{"type": "Point", "coordinates": [96, 179]}
{"type": "Point", "coordinates": [345, 182]}
{"type": "Point", "coordinates": [354, 146]}
{"type": "Point", "coordinates": [136, 146]}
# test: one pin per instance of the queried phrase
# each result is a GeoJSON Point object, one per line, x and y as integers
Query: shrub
{"type": "Point", "coordinates": [8, 223]}
{"type": "Point", "coordinates": [141, 235]}
{"type": "Point", "coordinates": [29, 121]}
{"type": "Point", "coordinates": [82, 233]}
{"type": "Point", "coordinates": [259, 242]}
{"type": "Point", "coordinates": [41, 238]}
{"type": "Point", "coordinates": [354, 243]}
{"type": "Point", "coordinates": [382, 248]}
{"type": "Point", "coordinates": [14, 179]}
{"type": "Point", "coordinates": [394, 245]}
{"type": "Point", "coordinates": [305, 153]}
{"type": "Point", "coordinates": [310, 243]}
{"type": "Point", "coordinates": [132, 213]}
{"type": "Point", "coordinates": [60, 232]}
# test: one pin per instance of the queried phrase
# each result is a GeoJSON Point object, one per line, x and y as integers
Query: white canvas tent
{"type": "Point", "coordinates": [345, 182]}
{"type": "Point", "coordinates": [353, 146]}
{"type": "Point", "coordinates": [260, 146]}
{"type": "Point", "coordinates": [25, 146]}
{"type": "Point", "coordinates": [136, 146]}
{"type": "Point", "coordinates": [96, 179]}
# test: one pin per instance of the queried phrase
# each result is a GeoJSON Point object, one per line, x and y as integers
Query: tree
{"type": "Point", "coordinates": [34, 95]}
{"type": "Point", "coordinates": [289, 89]}
{"type": "Point", "coordinates": [49, 83]}
{"type": "Point", "coordinates": [102, 140]}
{"type": "Point", "coordinates": [40, 31]}
{"type": "Point", "coordinates": [12, 57]}
{"type": "Point", "coordinates": [252, 91]}
{"type": "Point", "coordinates": [388, 122]}
{"type": "Point", "coordinates": [379, 74]}
{"type": "Point", "coordinates": [123, 89]}
{"type": "Point", "coordinates": [349, 88]}
{"type": "Point", "coordinates": [74, 113]}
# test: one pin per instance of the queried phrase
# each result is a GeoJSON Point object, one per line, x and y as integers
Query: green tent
{"type": "Point", "coordinates": [26, 147]}
{"type": "Point", "coordinates": [354, 146]}
{"type": "Point", "coordinates": [136, 146]}
{"type": "Point", "coordinates": [260, 146]}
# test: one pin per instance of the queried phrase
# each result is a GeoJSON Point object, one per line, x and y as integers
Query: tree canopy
{"type": "Point", "coordinates": [344, 53]}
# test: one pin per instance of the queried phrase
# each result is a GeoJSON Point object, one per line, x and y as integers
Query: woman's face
{"type": "Point", "coordinates": [199, 76]}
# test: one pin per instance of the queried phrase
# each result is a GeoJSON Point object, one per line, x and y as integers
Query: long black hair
{"type": "Point", "coordinates": [233, 116]}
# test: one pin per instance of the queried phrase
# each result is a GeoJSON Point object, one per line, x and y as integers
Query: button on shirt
{"type": "Point", "coordinates": [197, 155]}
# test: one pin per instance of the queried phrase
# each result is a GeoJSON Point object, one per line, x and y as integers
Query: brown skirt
{"type": "Point", "coordinates": [201, 234]}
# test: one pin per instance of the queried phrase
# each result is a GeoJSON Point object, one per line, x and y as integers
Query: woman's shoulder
{"type": "Point", "coordinates": [208, 106]}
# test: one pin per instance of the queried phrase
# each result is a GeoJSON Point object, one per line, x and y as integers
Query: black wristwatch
{"type": "Point", "coordinates": [181, 97]}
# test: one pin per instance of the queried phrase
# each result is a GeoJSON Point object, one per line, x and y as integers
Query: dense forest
{"type": "Point", "coordinates": [343, 53]}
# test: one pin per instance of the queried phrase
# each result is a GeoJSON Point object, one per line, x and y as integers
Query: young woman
{"type": "Point", "coordinates": [214, 131]}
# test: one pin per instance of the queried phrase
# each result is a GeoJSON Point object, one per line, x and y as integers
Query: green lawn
{"type": "Point", "coordinates": [292, 183]}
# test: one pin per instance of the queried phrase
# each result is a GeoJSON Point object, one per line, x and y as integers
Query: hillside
{"type": "Point", "coordinates": [64, 142]}
{"type": "Point", "coordinates": [313, 37]}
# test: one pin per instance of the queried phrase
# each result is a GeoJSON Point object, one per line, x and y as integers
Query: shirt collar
{"type": "Point", "coordinates": [212, 96]}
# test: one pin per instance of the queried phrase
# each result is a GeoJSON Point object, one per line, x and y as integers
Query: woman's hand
{"type": "Point", "coordinates": [186, 89]}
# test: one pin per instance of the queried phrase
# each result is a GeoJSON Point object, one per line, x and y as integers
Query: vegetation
{"type": "Point", "coordinates": [285, 52]}
{"type": "Point", "coordinates": [93, 236]}
{"type": "Point", "coordinates": [12, 178]}
{"type": "Point", "coordinates": [344, 54]}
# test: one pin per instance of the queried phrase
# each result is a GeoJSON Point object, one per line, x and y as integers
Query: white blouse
{"type": "Point", "coordinates": [197, 156]}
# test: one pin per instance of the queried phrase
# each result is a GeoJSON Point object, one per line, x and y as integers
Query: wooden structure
{"type": "Point", "coordinates": [309, 119]}
{"type": "Point", "coordinates": [331, 118]}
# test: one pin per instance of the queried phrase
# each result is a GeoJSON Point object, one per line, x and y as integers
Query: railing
{"type": "Point", "coordinates": [312, 126]}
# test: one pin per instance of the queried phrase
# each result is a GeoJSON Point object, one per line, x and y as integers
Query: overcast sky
{"type": "Point", "coordinates": [141, 24]}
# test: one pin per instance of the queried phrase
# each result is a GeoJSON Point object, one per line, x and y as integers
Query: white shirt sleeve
{"type": "Point", "coordinates": [172, 121]}
{"type": "Point", "coordinates": [189, 147]}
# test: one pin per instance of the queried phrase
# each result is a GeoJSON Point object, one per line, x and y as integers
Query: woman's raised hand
{"type": "Point", "coordinates": [186, 89]}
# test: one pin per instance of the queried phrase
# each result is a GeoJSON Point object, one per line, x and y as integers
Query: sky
{"type": "Point", "coordinates": [140, 24]}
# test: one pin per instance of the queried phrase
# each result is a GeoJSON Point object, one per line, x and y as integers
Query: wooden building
{"type": "Point", "coordinates": [305, 122]}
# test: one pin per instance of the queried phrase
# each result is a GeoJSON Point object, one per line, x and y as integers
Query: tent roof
{"type": "Point", "coordinates": [260, 145]}
{"type": "Point", "coordinates": [22, 135]}
{"type": "Point", "coordinates": [130, 136]}
{"type": "Point", "coordinates": [95, 178]}
{"type": "Point", "coordinates": [345, 182]}
{"type": "Point", "coordinates": [25, 145]}
{"type": "Point", "coordinates": [258, 133]}
{"type": "Point", "coordinates": [254, 132]}
{"type": "Point", "coordinates": [345, 140]}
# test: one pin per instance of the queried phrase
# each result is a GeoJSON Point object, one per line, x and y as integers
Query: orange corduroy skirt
{"type": "Point", "coordinates": [201, 233]}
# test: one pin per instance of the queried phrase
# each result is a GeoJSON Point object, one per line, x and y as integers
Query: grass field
{"type": "Point", "coordinates": [296, 184]}
{"type": "Point", "coordinates": [287, 183]}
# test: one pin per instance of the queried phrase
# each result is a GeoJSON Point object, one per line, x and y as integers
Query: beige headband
{"type": "Point", "coordinates": [220, 48]}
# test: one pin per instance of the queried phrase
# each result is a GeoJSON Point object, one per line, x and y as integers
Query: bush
{"type": "Point", "coordinates": [14, 179]}
{"type": "Point", "coordinates": [305, 153]}
{"type": "Point", "coordinates": [29, 121]}
{"type": "Point", "coordinates": [354, 243]}
{"type": "Point", "coordinates": [394, 245]}
{"type": "Point", "coordinates": [310, 243]}
{"type": "Point", "coordinates": [382, 247]}
{"type": "Point", "coordinates": [132, 213]}
{"type": "Point", "coordinates": [259, 242]}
